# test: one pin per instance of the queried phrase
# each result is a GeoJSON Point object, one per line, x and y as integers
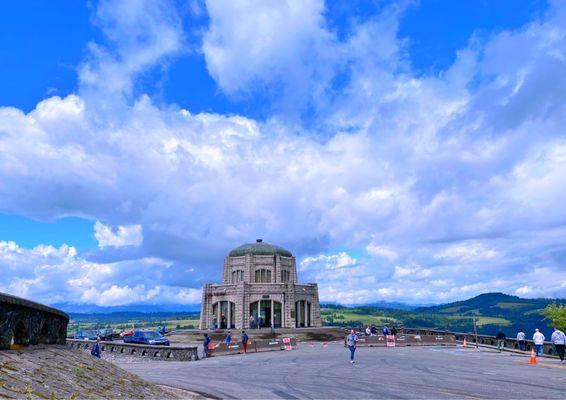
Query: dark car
{"type": "Point", "coordinates": [147, 337]}
{"type": "Point", "coordinates": [86, 335]}
{"type": "Point", "coordinates": [105, 334]}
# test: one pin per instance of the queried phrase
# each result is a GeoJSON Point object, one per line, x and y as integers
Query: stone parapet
{"type": "Point", "coordinates": [171, 353]}
{"type": "Point", "coordinates": [24, 322]}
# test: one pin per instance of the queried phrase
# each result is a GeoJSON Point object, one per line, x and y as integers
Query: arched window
{"type": "Point", "coordinates": [237, 276]}
{"type": "Point", "coordinates": [285, 276]}
{"type": "Point", "coordinates": [262, 276]}
{"type": "Point", "coordinates": [20, 335]}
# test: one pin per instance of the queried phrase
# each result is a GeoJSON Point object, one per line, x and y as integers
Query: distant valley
{"type": "Point", "coordinates": [492, 311]}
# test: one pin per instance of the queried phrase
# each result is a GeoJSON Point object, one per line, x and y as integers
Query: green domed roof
{"type": "Point", "coordinates": [259, 248]}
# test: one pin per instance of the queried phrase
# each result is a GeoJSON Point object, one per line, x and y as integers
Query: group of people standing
{"type": "Point", "coordinates": [372, 331]}
{"type": "Point", "coordinates": [228, 339]}
{"type": "Point", "coordinates": [558, 340]}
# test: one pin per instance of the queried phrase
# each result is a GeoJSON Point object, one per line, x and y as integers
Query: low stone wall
{"type": "Point", "coordinates": [24, 322]}
{"type": "Point", "coordinates": [254, 346]}
{"type": "Point", "coordinates": [171, 353]}
{"type": "Point", "coordinates": [406, 339]}
{"type": "Point", "coordinates": [509, 344]}
{"type": "Point", "coordinates": [486, 340]}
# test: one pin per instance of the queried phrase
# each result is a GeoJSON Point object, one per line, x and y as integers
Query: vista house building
{"type": "Point", "coordinates": [260, 280]}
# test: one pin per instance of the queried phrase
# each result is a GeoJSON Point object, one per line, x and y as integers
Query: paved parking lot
{"type": "Point", "coordinates": [324, 372]}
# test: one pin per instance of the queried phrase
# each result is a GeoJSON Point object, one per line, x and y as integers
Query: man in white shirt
{"type": "Point", "coordinates": [521, 340]}
{"type": "Point", "coordinates": [558, 339]}
{"type": "Point", "coordinates": [538, 338]}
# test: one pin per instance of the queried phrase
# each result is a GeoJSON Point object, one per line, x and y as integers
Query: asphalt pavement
{"type": "Point", "coordinates": [314, 371]}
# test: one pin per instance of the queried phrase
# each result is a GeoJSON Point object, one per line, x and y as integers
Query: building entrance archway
{"type": "Point", "coordinates": [302, 314]}
{"type": "Point", "coordinates": [224, 315]}
{"type": "Point", "coordinates": [270, 312]}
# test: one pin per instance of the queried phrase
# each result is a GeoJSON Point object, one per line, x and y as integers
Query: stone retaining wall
{"type": "Point", "coordinates": [171, 353]}
{"type": "Point", "coordinates": [254, 346]}
{"type": "Point", "coordinates": [406, 339]}
{"type": "Point", "coordinates": [487, 340]}
{"type": "Point", "coordinates": [24, 322]}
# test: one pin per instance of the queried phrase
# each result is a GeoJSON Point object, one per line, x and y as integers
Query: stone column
{"type": "Point", "coordinates": [277, 269]}
{"type": "Point", "coordinates": [315, 308]}
{"type": "Point", "coordinates": [205, 308]}
{"type": "Point", "coordinates": [294, 277]}
{"type": "Point", "coordinates": [249, 268]}
{"type": "Point", "coordinates": [226, 271]}
{"type": "Point", "coordinates": [290, 306]}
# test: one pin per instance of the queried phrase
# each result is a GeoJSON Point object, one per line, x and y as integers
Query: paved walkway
{"type": "Point", "coordinates": [395, 373]}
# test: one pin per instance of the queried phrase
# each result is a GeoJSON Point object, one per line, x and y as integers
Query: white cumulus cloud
{"type": "Point", "coordinates": [129, 235]}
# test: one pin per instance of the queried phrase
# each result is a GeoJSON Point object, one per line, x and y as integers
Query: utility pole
{"type": "Point", "coordinates": [476, 332]}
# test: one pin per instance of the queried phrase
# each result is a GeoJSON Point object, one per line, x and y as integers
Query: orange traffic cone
{"type": "Point", "coordinates": [465, 343]}
{"type": "Point", "coordinates": [533, 357]}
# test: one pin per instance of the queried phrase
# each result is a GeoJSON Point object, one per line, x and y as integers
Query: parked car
{"type": "Point", "coordinates": [86, 335]}
{"type": "Point", "coordinates": [147, 337]}
{"type": "Point", "coordinates": [126, 333]}
{"type": "Point", "coordinates": [105, 333]}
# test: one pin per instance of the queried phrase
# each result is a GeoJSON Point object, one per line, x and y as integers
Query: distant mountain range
{"type": "Point", "coordinates": [379, 304]}
{"type": "Point", "coordinates": [134, 308]}
{"type": "Point", "coordinates": [493, 311]}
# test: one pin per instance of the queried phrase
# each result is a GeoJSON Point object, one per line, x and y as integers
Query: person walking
{"type": "Point", "coordinates": [351, 343]}
{"type": "Point", "coordinates": [385, 331]}
{"type": "Point", "coordinates": [368, 331]}
{"type": "Point", "coordinates": [500, 340]}
{"type": "Point", "coordinates": [259, 322]}
{"type": "Point", "coordinates": [96, 349]}
{"type": "Point", "coordinates": [521, 340]}
{"type": "Point", "coordinates": [245, 339]}
{"type": "Point", "coordinates": [558, 339]}
{"type": "Point", "coordinates": [394, 331]}
{"type": "Point", "coordinates": [205, 345]}
{"type": "Point", "coordinates": [228, 338]}
{"type": "Point", "coordinates": [252, 320]}
{"type": "Point", "coordinates": [538, 338]}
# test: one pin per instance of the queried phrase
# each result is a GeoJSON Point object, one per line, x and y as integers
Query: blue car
{"type": "Point", "coordinates": [147, 337]}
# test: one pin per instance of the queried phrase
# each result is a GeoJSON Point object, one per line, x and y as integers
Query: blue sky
{"type": "Point", "coordinates": [407, 151]}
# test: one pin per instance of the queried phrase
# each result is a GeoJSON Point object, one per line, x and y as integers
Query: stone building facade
{"type": "Point", "coordinates": [260, 287]}
{"type": "Point", "coordinates": [24, 322]}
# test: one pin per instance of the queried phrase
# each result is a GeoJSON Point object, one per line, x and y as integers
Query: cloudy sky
{"type": "Point", "coordinates": [407, 151]}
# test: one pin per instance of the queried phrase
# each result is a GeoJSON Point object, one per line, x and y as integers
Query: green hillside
{"type": "Point", "coordinates": [493, 311]}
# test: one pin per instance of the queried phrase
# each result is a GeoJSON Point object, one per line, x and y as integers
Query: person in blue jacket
{"type": "Point", "coordinates": [385, 331]}
{"type": "Point", "coordinates": [96, 349]}
{"type": "Point", "coordinates": [205, 344]}
{"type": "Point", "coordinates": [245, 340]}
{"type": "Point", "coordinates": [228, 338]}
